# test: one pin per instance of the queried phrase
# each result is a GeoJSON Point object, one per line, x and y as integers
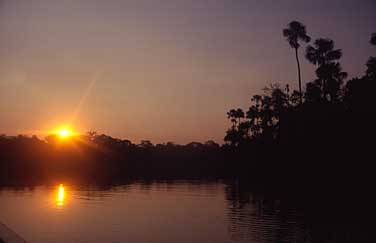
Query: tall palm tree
{"type": "Point", "coordinates": [296, 32]}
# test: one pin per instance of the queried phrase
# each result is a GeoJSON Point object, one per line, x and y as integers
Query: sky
{"type": "Point", "coordinates": [159, 70]}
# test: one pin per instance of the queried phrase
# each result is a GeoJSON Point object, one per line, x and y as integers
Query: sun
{"type": "Point", "coordinates": [63, 133]}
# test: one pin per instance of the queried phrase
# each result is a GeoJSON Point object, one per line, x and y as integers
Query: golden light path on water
{"type": "Point", "coordinates": [60, 197]}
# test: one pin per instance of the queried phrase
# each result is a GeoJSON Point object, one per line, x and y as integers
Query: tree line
{"type": "Point", "coordinates": [281, 115]}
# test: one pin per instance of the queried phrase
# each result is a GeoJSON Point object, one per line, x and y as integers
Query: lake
{"type": "Point", "coordinates": [178, 211]}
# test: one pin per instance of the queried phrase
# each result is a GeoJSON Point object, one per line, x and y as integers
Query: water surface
{"type": "Point", "coordinates": [182, 211]}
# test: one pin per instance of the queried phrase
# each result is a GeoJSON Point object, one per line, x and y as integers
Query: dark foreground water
{"type": "Point", "coordinates": [182, 211]}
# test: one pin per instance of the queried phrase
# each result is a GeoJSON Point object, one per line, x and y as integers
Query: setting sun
{"type": "Point", "coordinates": [64, 133]}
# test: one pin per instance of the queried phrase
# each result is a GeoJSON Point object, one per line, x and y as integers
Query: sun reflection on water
{"type": "Point", "coordinates": [60, 196]}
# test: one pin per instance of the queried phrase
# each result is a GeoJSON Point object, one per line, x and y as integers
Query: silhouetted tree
{"type": "Point", "coordinates": [371, 63]}
{"type": "Point", "coordinates": [91, 135]}
{"type": "Point", "coordinates": [322, 52]}
{"type": "Point", "coordinates": [296, 32]}
{"type": "Point", "coordinates": [211, 144]}
{"type": "Point", "coordinates": [146, 144]}
{"type": "Point", "coordinates": [235, 135]}
{"type": "Point", "coordinates": [264, 115]}
{"type": "Point", "coordinates": [126, 143]}
{"type": "Point", "coordinates": [359, 92]}
{"type": "Point", "coordinates": [329, 72]}
{"type": "Point", "coordinates": [313, 93]}
{"type": "Point", "coordinates": [330, 78]}
{"type": "Point", "coordinates": [105, 141]}
{"type": "Point", "coordinates": [51, 139]}
{"type": "Point", "coordinates": [195, 145]}
{"type": "Point", "coordinates": [371, 68]}
{"type": "Point", "coordinates": [373, 39]}
{"type": "Point", "coordinates": [235, 116]}
{"type": "Point", "coordinates": [239, 114]}
{"type": "Point", "coordinates": [294, 98]}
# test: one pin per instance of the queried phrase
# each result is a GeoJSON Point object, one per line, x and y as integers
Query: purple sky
{"type": "Point", "coordinates": [163, 70]}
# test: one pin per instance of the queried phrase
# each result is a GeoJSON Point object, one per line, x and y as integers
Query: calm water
{"type": "Point", "coordinates": [160, 212]}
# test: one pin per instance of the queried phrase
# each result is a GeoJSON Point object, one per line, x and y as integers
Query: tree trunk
{"type": "Point", "coordinates": [299, 75]}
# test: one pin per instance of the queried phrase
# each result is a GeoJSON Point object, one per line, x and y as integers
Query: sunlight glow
{"type": "Point", "coordinates": [60, 196]}
{"type": "Point", "coordinates": [64, 133]}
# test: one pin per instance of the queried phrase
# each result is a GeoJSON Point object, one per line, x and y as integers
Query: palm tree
{"type": "Point", "coordinates": [331, 77]}
{"type": "Point", "coordinates": [322, 52]}
{"type": "Point", "coordinates": [371, 68]}
{"type": "Point", "coordinates": [239, 114]}
{"type": "Point", "coordinates": [329, 72]}
{"type": "Point", "coordinates": [232, 116]}
{"type": "Point", "coordinates": [238, 132]}
{"type": "Point", "coordinates": [296, 32]}
{"type": "Point", "coordinates": [373, 39]}
{"type": "Point", "coordinates": [371, 63]}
